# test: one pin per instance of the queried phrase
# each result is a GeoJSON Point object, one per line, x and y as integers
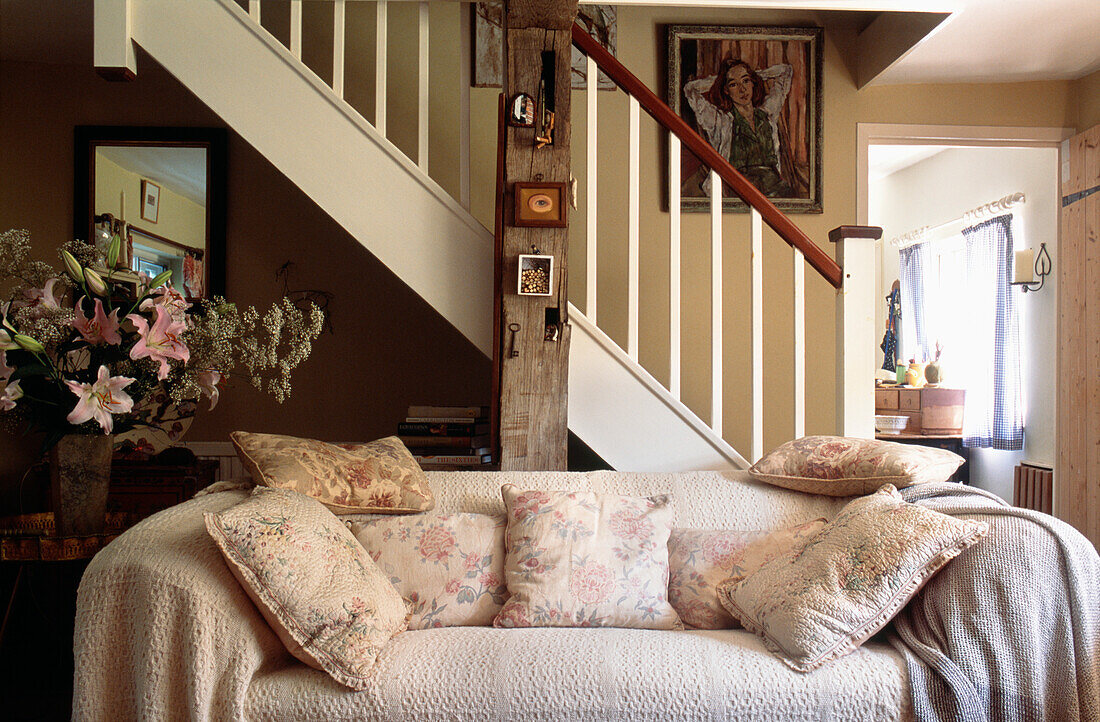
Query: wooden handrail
{"type": "Point", "coordinates": [821, 261]}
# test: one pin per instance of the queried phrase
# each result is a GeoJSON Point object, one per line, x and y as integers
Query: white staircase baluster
{"type": "Point", "coordinates": [338, 33]}
{"type": "Point", "coordinates": [716, 303]}
{"type": "Point", "coordinates": [632, 233]}
{"type": "Point", "coordinates": [799, 344]}
{"type": "Point", "coordinates": [674, 266]}
{"type": "Point", "coordinates": [591, 168]}
{"type": "Point", "coordinates": [465, 44]}
{"type": "Point", "coordinates": [296, 28]}
{"type": "Point", "coordinates": [380, 43]}
{"type": "Point", "coordinates": [422, 105]}
{"type": "Point", "coordinates": [756, 443]}
{"type": "Point", "coordinates": [356, 174]}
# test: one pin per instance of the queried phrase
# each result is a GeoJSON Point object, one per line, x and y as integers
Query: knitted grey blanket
{"type": "Point", "coordinates": [1009, 630]}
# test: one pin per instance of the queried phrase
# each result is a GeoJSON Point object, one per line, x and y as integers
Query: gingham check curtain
{"type": "Point", "coordinates": [993, 416]}
{"type": "Point", "coordinates": [915, 262]}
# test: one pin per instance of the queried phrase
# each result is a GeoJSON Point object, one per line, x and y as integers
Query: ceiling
{"type": "Point", "coordinates": [884, 160]}
{"type": "Point", "coordinates": [181, 169]}
{"type": "Point", "coordinates": [1003, 41]}
{"type": "Point", "coordinates": [980, 41]}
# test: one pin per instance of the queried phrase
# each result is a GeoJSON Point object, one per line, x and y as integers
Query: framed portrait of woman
{"type": "Point", "coordinates": [754, 94]}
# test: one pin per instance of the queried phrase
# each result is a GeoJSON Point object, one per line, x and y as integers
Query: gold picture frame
{"type": "Point", "coordinates": [539, 205]}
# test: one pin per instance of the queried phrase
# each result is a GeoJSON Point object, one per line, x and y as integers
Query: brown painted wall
{"type": "Point", "coordinates": [389, 348]}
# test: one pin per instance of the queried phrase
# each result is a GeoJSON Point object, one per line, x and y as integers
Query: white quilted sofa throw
{"type": "Point", "coordinates": [165, 632]}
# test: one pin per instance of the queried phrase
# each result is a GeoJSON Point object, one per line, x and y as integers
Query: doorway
{"type": "Point", "coordinates": [914, 177]}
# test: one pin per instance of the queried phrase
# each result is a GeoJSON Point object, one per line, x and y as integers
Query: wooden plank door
{"type": "Point", "coordinates": [1077, 471]}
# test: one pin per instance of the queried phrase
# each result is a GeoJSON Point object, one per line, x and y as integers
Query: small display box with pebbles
{"type": "Point", "coordinates": [535, 274]}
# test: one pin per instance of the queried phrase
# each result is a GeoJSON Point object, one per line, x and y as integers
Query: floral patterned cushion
{"type": "Point", "coordinates": [450, 567]}
{"type": "Point", "coordinates": [380, 477]}
{"type": "Point", "coordinates": [314, 583]}
{"type": "Point", "coordinates": [841, 466]}
{"type": "Point", "coordinates": [580, 559]}
{"type": "Point", "coordinates": [821, 601]}
{"type": "Point", "coordinates": [699, 559]}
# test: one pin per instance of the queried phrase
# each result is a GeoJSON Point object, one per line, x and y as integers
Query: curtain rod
{"type": "Point", "coordinates": [986, 210]}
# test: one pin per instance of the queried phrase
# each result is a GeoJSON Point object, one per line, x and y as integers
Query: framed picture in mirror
{"type": "Point", "coordinates": [163, 191]}
{"type": "Point", "coordinates": [150, 201]}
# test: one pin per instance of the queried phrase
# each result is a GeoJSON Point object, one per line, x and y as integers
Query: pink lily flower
{"type": "Point", "coordinates": [100, 328]}
{"type": "Point", "coordinates": [171, 299]}
{"type": "Point", "coordinates": [160, 341]}
{"type": "Point", "coordinates": [11, 393]}
{"type": "Point", "coordinates": [5, 370]}
{"type": "Point", "coordinates": [6, 344]}
{"type": "Point", "coordinates": [42, 296]}
{"type": "Point", "coordinates": [101, 399]}
{"type": "Point", "coordinates": [208, 381]}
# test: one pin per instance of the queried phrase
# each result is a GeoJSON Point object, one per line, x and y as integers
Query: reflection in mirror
{"type": "Point", "coordinates": [161, 190]}
{"type": "Point", "coordinates": [171, 200]}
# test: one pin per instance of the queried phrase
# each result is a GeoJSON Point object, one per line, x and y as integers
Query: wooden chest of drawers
{"type": "Point", "coordinates": [931, 410]}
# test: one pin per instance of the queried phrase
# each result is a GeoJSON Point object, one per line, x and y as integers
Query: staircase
{"type": "Point", "coordinates": [393, 207]}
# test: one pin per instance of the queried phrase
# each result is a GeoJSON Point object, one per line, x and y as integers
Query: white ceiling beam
{"type": "Point", "coordinates": [889, 38]}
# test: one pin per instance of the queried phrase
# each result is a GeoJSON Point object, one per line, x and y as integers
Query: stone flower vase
{"type": "Point", "coordinates": [80, 473]}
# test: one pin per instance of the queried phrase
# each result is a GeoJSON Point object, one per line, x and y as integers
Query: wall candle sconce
{"type": "Point", "coordinates": [1028, 265]}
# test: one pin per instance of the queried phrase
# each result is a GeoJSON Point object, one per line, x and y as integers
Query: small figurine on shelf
{"type": "Point", "coordinates": [933, 373]}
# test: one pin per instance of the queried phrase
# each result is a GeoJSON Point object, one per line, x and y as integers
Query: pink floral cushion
{"type": "Point", "coordinates": [699, 559]}
{"type": "Point", "coordinates": [379, 477]}
{"type": "Point", "coordinates": [841, 466]}
{"type": "Point", "coordinates": [822, 600]}
{"type": "Point", "coordinates": [314, 583]}
{"type": "Point", "coordinates": [450, 567]}
{"type": "Point", "coordinates": [579, 559]}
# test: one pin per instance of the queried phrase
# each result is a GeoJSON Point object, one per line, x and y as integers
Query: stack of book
{"type": "Point", "coordinates": [447, 437]}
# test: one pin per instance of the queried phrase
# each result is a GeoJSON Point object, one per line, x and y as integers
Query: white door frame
{"type": "Point", "coordinates": [974, 136]}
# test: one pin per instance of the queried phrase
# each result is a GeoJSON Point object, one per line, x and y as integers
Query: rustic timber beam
{"type": "Point", "coordinates": [546, 14]}
{"type": "Point", "coordinates": [532, 353]}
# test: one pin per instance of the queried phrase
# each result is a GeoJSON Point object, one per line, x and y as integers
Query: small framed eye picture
{"type": "Point", "coordinates": [540, 205]}
{"type": "Point", "coordinates": [150, 201]}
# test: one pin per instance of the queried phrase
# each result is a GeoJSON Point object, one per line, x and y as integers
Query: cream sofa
{"type": "Point", "coordinates": [164, 631]}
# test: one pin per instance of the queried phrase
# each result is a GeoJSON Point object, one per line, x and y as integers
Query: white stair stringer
{"type": "Point", "coordinates": [327, 149]}
{"type": "Point", "coordinates": [628, 418]}
{"type": "Point", "coordinates": [406, 220]}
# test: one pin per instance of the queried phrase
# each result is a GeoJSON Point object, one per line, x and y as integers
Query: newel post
{"type": "Point", "coordinates": [855, 330]}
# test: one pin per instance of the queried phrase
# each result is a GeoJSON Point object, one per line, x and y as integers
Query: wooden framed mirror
{"type": "Point", "coordinates": [163, 190]}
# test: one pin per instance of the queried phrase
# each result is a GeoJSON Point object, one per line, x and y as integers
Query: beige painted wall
{"type": "Point", "coordinates": [388, 348]}
{"type": "Point", "coordinates": [1087, 92]}
{"type": "Point", "coordinates": [179, 219]}
{"type": "Point", "coordinates": [641, 48]}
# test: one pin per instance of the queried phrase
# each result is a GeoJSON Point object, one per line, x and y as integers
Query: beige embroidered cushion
{"type": "Point", "coordinates": [314, 583]}
{"type": "Point", "coordinates": [699, 559]}
{"type": "Point", "coordinates": [822, 600]}
{"type": "Point", "coordinates": [842, 466]}
{"type": "Point", "coordinates": [579, 559]}
{"type": "Point", "coordinates": [450, 567]}
{"type": "Point", "coordinates": [379, 477]}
